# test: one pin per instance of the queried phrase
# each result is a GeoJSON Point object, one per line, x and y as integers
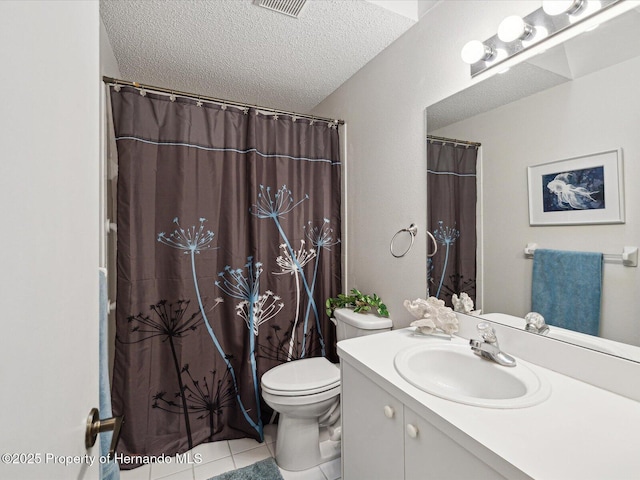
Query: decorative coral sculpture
{"type": "Point", "coordinates": [463, 304]}
{"type": "Point", "coordinates": [432, 315]}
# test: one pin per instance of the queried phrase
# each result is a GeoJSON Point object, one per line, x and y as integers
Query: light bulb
{"type": "Point", "coordinates": [558, 7]}
{"type": "Point", "coordinates": [474, 51]}
{"type": "Point", "coordinates": [513, 28]}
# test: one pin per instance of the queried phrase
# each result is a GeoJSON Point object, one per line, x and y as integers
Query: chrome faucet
{"type": "Point", "coordinates": [535, 323]}
{"type": "Point", "coordinates": [488, 348]}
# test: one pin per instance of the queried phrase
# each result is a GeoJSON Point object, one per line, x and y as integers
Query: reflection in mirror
{"type": "Point", "coordinates": [451, 219]}
{"type": "Point", "coordinates": [579, 98]}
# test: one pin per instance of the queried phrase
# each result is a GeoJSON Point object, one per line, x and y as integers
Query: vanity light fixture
{"type": "Point", "coordinates": [558, 7]}
{"type": "Point", "coordinates": [514, 28]}
{"type": "Point", "coordinates": [590, 7]}
{"type": "Point", "coordinates": [539, 33]}
{"type": "Point", "coordinates": [517, 34]}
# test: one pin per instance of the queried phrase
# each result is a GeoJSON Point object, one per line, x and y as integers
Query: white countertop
{"type": "Point", "coordinates": [580, 432]}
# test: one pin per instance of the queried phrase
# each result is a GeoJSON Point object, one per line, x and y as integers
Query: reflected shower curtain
{"type": "Point", "coordinates": [228, 246]}
{"type": "Point", "coordinates": [451, 218]}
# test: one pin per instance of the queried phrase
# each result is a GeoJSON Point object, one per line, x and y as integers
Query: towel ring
{"type": "Point", "coordinates": [435, 244]}
{"type": "Point", "coordinates": [412, 230]}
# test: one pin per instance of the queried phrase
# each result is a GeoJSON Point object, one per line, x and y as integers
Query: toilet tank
{"type": "Point", "coordinates": [350, 324]}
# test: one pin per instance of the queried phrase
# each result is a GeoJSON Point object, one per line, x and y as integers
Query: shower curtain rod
{"type": "Point", "coordinates": [453, 140]}
{"type": "Point", "coordinates": [151, 88]}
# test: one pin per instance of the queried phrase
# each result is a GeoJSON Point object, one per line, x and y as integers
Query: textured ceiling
{"type": "Point", "coordinates": [235, 50]}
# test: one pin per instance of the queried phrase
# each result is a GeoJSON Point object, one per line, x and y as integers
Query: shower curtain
{"type": "Point", "coordinates": [228, 246]}
{"type": "Point", "coordinates": [451, 218]}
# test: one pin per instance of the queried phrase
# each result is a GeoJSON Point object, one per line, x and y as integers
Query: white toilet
{"type": "Point", "coordinates": [306, 394]}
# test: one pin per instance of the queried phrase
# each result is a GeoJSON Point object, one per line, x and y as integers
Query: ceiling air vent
{"type": "Point", "coordinates": [288, 7]}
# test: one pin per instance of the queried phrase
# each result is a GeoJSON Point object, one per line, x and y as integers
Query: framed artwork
{"type": "Point", "coordinates": [577, 191]}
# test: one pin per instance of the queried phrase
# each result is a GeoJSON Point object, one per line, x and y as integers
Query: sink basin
{"type": "Point", "coordinates": [454, 372]}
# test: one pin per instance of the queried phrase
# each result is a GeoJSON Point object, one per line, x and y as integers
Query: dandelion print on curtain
{"type": "Point", "coordinates": [228, 245]}
{"type": "Point", "coordinates": [451, 218]}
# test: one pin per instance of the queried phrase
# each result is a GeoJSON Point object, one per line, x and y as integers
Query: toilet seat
{"type": "Point", "coordinates": [307, 376]}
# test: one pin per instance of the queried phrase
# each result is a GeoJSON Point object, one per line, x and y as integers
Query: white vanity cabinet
{"type": "Point", "coordinates": [430, 454]}
{"type": "Point", "coordinates": [383, 439]}
{"type": "Point", "coordinates": [392, 430]}
{"type": "Point", "coordinates": [372, 429]}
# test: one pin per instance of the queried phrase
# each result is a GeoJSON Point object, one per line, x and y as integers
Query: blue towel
{"type": "Point", "coordinates": [566, 289]}
{"type": "Point", "coordinates": [110, 470]}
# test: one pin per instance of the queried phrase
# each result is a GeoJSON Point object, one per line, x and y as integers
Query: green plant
{"type": "Point", "coordinates": [360, 303]}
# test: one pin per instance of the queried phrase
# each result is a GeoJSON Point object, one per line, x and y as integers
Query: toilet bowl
{"type": "Point", "coordinates": [306, 394]}
{"type": "Point", "coordinates": [302, 392]}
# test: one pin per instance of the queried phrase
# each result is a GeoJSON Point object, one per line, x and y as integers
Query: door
{"type": "Point", "coordinates": [372, 430]}
{"type": "Point", "coordinates": [429, 453]}
{"type": "Point", "coordinates": [49, 79]}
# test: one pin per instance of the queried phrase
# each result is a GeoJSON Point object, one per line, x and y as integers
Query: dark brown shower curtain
{"type": "Point", "coordinates": [451, 218]}
{"type": "Point", "coordinates": [228, 246]}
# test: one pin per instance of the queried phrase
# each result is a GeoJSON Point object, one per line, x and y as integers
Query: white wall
{"type": "Point", "coordinates": [384, 105]}
{"type": "Point", "coordinates": [108, 63]}
{"type": "Point", "coordinates": [591, 114]}
{"type": "Point", "coordinates": [49, 255]}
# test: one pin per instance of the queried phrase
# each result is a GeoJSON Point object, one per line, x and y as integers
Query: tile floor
{"type": "Point", "coordinates": [220, 457]}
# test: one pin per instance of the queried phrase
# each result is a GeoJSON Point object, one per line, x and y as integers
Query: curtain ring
{"type": "Point", "coordinates": [412, 230]}
{"type": "Point", "coordinates": [435, 244]}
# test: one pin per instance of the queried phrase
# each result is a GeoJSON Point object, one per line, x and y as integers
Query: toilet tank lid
{"type": "Point", "coordinates": [365, 321]}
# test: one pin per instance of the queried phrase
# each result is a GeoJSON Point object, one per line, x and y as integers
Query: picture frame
{"type": "Point", "coordinates": [580, 190]}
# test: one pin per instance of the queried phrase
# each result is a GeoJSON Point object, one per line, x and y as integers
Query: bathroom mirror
{"type": "Point", "coordinates": [578, 98]}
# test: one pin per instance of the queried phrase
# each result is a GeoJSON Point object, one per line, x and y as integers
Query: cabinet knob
{"type": "Point", "coordinates": [412, 430]}
{"type": "Point", "coordinates": [389, 411]}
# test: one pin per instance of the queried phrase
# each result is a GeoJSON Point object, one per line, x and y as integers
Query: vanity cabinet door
{"type": "Point", "coordinates": [372, 430]}
{"type": "Point", "coordinates": [430, 454]}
